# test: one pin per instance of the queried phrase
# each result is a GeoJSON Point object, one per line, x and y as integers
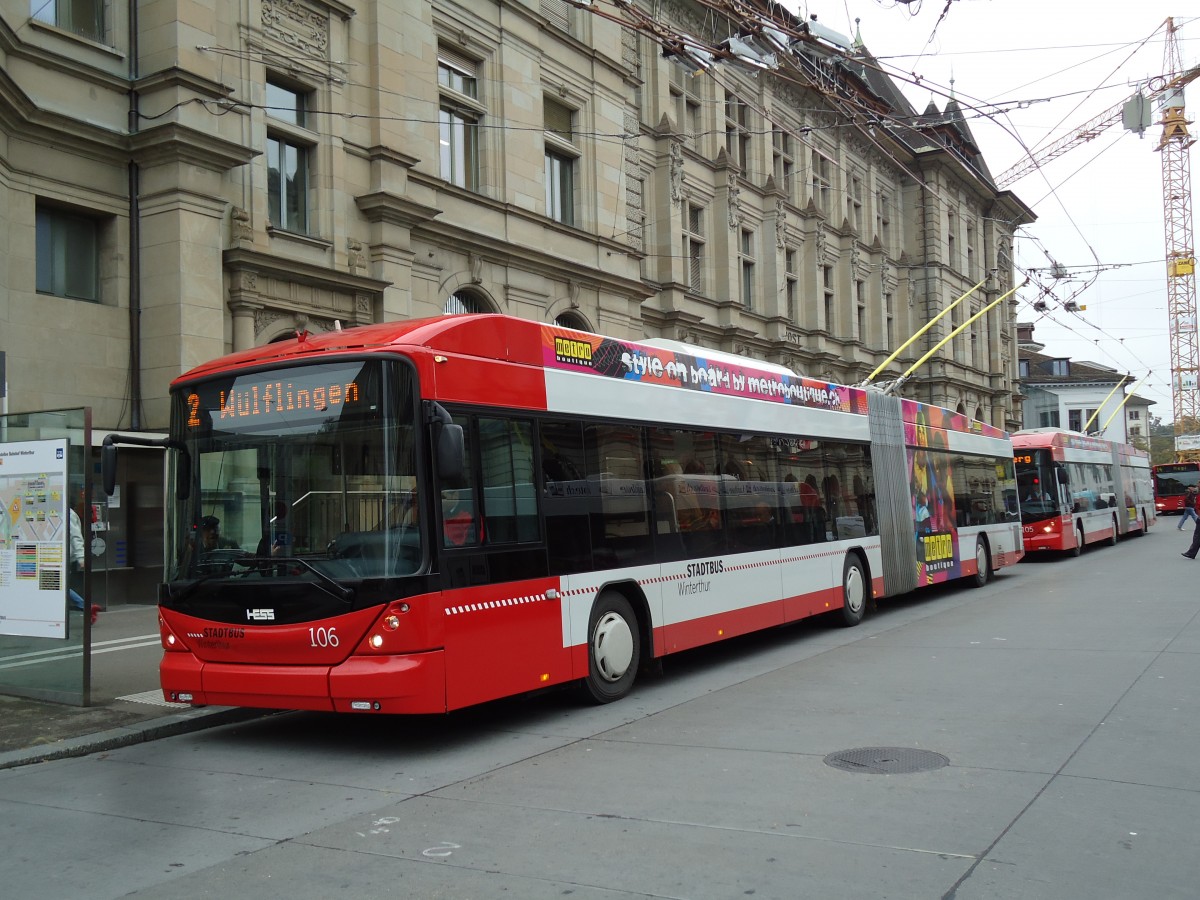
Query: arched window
{"type": "Point", "coordinates": [462, 302]}
{"type": "Point", "coordinates": [571, 320]}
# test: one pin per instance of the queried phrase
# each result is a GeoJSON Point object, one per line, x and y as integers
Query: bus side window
{"type": "Point", "coordinates": [509, 502]}
{"type": "Point", "coordinates": [621, 532]}
{"type": "Point", "coordinates": [569, 498]}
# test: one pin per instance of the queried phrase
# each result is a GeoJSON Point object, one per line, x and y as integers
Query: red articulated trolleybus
{"type": "Point", "coordinates": [418, 516]}
{"type": "Point", "coordinates": [1171, 481]}
{"type": "Point", "coordinates": [1075, 490]}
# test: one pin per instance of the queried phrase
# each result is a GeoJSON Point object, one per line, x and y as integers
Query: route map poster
{"type": "Point", "coordinates": [33, 538]}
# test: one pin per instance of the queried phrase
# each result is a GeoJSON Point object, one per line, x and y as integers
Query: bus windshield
{"type": "Point", "coordinates": [307, 472]}
{"type": "Point", "coordinates": [1037, 487]}
{"type": "Point", "coordinates": [1173, 479]}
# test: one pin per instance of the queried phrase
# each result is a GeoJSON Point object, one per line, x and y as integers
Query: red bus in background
{"type": "Point", "coordinates": [1171, 481]}
{"type": "Point", "coordinates": [1075, 490]}
{"type": "Point", "coordinates": [418, 516]}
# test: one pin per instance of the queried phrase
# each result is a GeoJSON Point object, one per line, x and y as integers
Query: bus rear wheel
{"type": "Point", "coordinates": [854, 591]}
{"type": "Point", "coordinates": [983, 564]}
{"type": "Point", "coordinates": [614, 648]}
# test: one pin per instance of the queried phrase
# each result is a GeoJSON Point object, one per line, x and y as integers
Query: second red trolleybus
{"type": "Point", "coordinates": [1076, 490]}
{"type": "Point", "coordinates": [418, 516]}
{"type": "Point", "coordinates": [1171, 481]}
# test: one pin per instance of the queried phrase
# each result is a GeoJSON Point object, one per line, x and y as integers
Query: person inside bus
{"type": "Point", "coordinates": [458, 518]}
{"type": "Point", "coordinates": [211, 538]}
{"type": "Point", "coordinates": [1189, 507]}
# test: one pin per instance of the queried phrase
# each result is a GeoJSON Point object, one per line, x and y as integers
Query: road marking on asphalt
{"type": "Point", "coordinates": [37, 657]}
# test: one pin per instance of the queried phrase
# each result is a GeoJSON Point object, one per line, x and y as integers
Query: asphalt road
{"type": "Point", "coordinates": [1052, 715]}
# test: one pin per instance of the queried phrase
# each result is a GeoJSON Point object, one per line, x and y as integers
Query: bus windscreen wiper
{"type": "Point", "coordinates": [329, 584]}
{"type": "Point", "coordinates": [258, 563]}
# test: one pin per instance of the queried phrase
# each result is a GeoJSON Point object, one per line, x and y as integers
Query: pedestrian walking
{"type": "Point", "coordinates": [1189, 507]}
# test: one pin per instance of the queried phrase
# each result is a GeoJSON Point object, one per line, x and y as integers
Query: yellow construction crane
{"type": "Point", "coordinates": [1167, 89]}
{"type": "Point", "coordinates": [1181, 259]}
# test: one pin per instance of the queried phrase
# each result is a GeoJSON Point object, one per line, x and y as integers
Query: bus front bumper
{"type": "Point", "coordinates": [410, 683]}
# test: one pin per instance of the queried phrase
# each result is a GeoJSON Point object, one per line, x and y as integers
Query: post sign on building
{"type": "Point", "coordinates": [34, 538]}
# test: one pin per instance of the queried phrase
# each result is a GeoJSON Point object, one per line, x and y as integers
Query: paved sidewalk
{"type": "Point", "coordinates": [127, 707]}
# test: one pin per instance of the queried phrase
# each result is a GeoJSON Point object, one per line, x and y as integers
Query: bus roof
{"type": "Point", "coordinates": [434, 333]}
{"type": "Point", "coordinates": [1032, 438]}
{"type": "Point", "coordinates": [551, 351]}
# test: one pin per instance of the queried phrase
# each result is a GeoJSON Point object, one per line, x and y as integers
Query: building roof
{"type": "Point", "coordinates": [1081, 372]}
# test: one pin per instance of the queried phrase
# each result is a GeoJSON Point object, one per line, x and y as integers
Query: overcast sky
{"type": "Point", "coordinates": [1038, 68]}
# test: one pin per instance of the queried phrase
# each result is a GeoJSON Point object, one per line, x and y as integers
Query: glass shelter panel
{"type": "Point", "coordinates": [44, 556]}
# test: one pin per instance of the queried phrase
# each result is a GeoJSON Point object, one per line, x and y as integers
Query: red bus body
{"type": "Point", "coordinates": [1076, 490]}
{"type": "Point", "coordinates": [1171, 481]}
{"type": "Point", "coordinates": [497, 619]}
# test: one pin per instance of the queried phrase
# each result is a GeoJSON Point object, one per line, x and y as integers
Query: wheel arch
{"type": "Point", "coordinates": [632, 591]}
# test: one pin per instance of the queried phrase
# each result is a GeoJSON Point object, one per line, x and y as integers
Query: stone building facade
{"type": "Point", "coordinates": [182, 180]}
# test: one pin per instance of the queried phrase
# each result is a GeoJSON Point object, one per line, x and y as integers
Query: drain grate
{"type": "Point", "coordinates": [886, 760]}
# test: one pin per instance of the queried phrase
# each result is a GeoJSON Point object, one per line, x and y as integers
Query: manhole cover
{"type": "Point", "coordinates": [886, 760]}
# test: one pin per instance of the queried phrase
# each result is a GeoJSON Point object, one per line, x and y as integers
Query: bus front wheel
{"type": "Point", "coordinates": [854, 590]}
{"type": "Point", "coordinates": [1078, 548]}
{"type": "Point", "coordinates": [614, 648]}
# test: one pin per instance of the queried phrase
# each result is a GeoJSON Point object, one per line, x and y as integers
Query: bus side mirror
{"type": "Point", "coordinates": [108, 460]}
{"type": "Point", "coordinates": [108, 465]}
{"type": "Point", "coordinates": [450, 453]}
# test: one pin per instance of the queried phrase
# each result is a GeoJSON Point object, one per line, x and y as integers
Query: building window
{"type": "Point", "coordinates": [1077, 418]}
{"type": "Point", "coordinates": [463, 302]}
{"type": "Point", "coordinates": [688, 113]}
{"type": "Point", "coordinates": [746, 260]}
{"type": "Point", "coordinates": [860, 301]}
{"type": "Point", "coordinates": [459, 116]}
{"type": "Point", "coordinates": [290, 149]}
{"type": "Point", "coordinates": [883, 220]}
{"type": "Point", "coordinates": [971, 270]}
{"type": "Point", "coordinates": [68, 254]}
{"type": "Point", "coordinates": [791, 285]}
{"type": "Point", "coordinates": [827, 287]}
{"type": "Point", "coordinates": [1135, 414]}
{"type": "Point", "coordinates": [1135, 430]}
{"type": "Point", "coordinates": [784, 159]}
{"type": "Point", "coordinates": [82, 17]}
{"type": "Point", "coordinates": [693, 248]}
{"type": "Point", "coordinates": [557, 13]}
{"type": "Point", "coordinates": [561, 154]}
{"type": "Point", "coordinates": [694, 123]}
{"type": "Point", "coordinates": [854, 202]}
{"type": "Point", "coordinates": [572, 320]}
{"type": "Point", "coordinates": [1048, 419]}
{"type": "Point", "coordinates": [737, 132]}
{"type": "Point", "coordinates": [889, 321]}
{"type": "Point", "coordinates": [951, 244]}
{"type": "Point", "coordinates": [822, 175]}
{"type": "Point", "coordinates": [1023, 368]}
{"type": "Point", "coordinates": [1059, 368]}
